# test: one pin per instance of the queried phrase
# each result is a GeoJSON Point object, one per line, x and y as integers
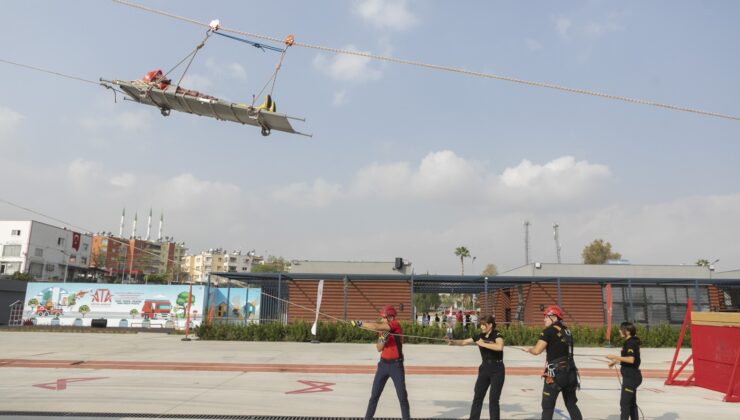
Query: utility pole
{"type": "Point", "coordinates": [526, 242]}
{"type": "Point", "coordinates": [556, 235]}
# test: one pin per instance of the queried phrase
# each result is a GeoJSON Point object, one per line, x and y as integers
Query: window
{"type": "Point", "coordinates": [36, 269]}
{"type": "Point", "coordinates": [655, 305]}
{"type": "Point", "coordinates": [84, 247]}
{"type": "Point", "coordinates": [12, 251]}
{"type": "Point", "coordinates": [12, 268]}
{"type": "Point", "coordinates": [49, 267]}
{"type": "Point", "coordinates": [83, 260]}
{"type": "Point", "coordinates": [60, 241]}
{"type": "Point", "coordinates": [15, 232]}
{"type": "Point", "coordinates": [39, 252]}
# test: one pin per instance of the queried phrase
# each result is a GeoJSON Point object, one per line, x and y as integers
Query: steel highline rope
{"type": "Point", "coordinates": [446, 68]}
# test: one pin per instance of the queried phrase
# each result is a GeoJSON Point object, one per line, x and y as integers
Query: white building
{"type": "Point", "coordinates": [198, 266]}
{"type": "Point", "coordinates": [46, 252]}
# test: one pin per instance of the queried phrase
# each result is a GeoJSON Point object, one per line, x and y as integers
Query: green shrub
{"type": "Point", "coordinates": [663, 335]}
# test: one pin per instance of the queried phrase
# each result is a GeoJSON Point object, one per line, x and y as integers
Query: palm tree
{"type": "Point", "coordinates": [463, 253]}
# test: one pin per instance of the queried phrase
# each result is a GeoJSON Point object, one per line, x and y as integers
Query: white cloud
{"type": "Point", "coordinates": [348, 68]}
{"type": "Point", "coordinates": [444, 176]}
{"type": "Point", "coordinates": [196, 82]}
{"type": "Point", "coordinates": [301, 194]}
{"type": "Point", "coordinates": [386, 14]}
{"type": "Point", "coordinates": [532, 44]}
{"type": "Point", "coordinates": [82, 173]}
{"type": "Point", "coordinates": [340, 98]}
{"type": "Point", "coordinates": [595, 28]}
{"type": "Point", "coordinates": [123, 180]}
{"type": "Point", "coordinates": [232, 70]}
{"type": "Point", "coordinates": [9, 119]}
{"type": "Point", "coordinates": [562, 25]}
{"type": "Point", "coordinates": [129, 121]}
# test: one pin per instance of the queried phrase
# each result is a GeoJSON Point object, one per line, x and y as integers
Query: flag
{"type": "Point", "coordinates": [609, 313]}
{"type": "Point", "coordinates": [318, 306]}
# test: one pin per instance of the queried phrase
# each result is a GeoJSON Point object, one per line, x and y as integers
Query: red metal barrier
{"type": "Point", "coordinates": [715, 351]}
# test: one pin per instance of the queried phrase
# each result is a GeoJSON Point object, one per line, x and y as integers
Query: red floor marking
{"type": "Point", "coordinates": [290, 368]}
{"type": "Point", "coordinates": [313, 386]}
{"type": "Point", "coordinates": [61, 384]}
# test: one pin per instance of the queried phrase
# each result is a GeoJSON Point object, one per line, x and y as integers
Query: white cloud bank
{"type": "Point", "coordinates": [386, 14]}
{"type": "Point", "coordinates": [347, 68]}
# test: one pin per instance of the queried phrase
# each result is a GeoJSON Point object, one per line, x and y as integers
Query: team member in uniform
{"type": "Point", "coordinates": [561, 373]}
{"type": "Point", "coordinates": [390, 346]}
{"type": "Point", "coordinates": [491, 371]}
{"type": "Point", "coordinates": [631, 375]}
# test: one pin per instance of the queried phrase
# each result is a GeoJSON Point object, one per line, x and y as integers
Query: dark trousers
{"type": "Point", "coordinates": [395, 371]}
{"type": "Point", "coordinates": [489, 375]}
{"type": "Point", "coordinates": [631, 379]}
{"type": "Point", "coordinates": [567, 382]}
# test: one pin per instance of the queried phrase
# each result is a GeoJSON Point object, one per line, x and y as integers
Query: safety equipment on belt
{"type": "Point", "coordinates": [383, 337]}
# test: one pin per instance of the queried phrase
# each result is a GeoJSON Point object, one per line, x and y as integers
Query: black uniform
{"type": "Point", "coordinates": [560, 373]}
{"type": "Point", "coordinates": [490, 373]}
{"type": "Point", "coordinates": [631, 379]}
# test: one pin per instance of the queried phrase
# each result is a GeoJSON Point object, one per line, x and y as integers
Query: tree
{"type": "Point", "coordinates": [98, 260]}
{"type": "Point", "coordinates": [490, 270]}
{"type": "Point", "coordinates": [33, 302]}
{"type": "Point", "coordinates": [424, 302]}
{"type": "Point", "coordinates": [155, 279]}
{"type": "Point", "coordinates": [702, 262]}
{"type": "Point", "coordinates": [134, 312]}
{"type": "Point", "coordinates": [21, 276]}
{"type": "Point", "coordinates": [273, 265]}
{"type": "Point", "coordinates": [463, 253]}
{"type": "Point", "coordinates": [83, 310]}
{"type": "Point", "coordinates": [598, 252]}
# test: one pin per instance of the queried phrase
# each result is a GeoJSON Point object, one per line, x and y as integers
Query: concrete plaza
{"type": "Point", "coordinates": [150, 374]}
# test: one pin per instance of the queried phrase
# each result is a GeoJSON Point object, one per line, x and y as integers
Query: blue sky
{"type": "Point", "coordinates": [404, 161]}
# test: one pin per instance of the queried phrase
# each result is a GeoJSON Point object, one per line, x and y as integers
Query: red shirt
{"type": "Point", "coordinates": [394, 343]}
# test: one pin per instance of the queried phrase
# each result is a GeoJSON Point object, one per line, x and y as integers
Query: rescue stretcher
{"type": "Point", "coordinates": [175, 98]}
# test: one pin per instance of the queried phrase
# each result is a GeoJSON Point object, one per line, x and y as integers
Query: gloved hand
{"type": "Point", "coordinates": [356, 323]}
{"type": "Point", "coordinates": [384, 337]}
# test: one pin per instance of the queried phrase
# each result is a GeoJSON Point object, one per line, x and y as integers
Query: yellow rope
{"type": "Point", "coordinates": [448, 68]}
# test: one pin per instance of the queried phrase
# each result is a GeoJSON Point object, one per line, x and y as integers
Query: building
{"type": "Point", "coordinates": [44, 251]}
{"type": "Point", "coordinates": [647, 294]}
{"type": "Point", "coordinates": [398, 266]}
{"type": "Point", "coordinates": [198, 266]}
{"type": "Point", "coordinates": [131, 259]}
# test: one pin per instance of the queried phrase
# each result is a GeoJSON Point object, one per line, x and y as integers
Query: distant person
{"type": "Point", "coordinates": [491, 372]}
{"type": "Point", "coordinates": [390, 347]}
{"type": "Point", "coordinates": [459, 316]}
{"type": "Point", "coordinates": [474, 319]}
{"type": "Point", "coordinates": [467, 319]}
{"type": "Point", "coordinates": [630, 369]}
{"type": "Point", "coordinates": [450, 326]}
{"type": "Point", "coordinates": [436, 319]}
{"type": "Point", "coordinates": [561, 373]}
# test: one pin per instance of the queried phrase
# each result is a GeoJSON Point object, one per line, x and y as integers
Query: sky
{"type": "Point", "coordinates": [404, 161]}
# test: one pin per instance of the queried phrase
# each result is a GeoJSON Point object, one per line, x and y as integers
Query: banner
{"type": "Point", "coordinates": [319, 293]}
{"type": "Point", "coordinates": [76, 241]}
{"type": "Point", "coordinates": [122, 305]}
{"type": "Point", "coordinates": [609, 313]}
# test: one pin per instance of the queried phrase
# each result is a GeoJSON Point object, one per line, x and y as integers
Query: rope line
{"type": "Point", "coordinates": [438, 67]}
{"type": "Point", "coordinates": [50, 72]}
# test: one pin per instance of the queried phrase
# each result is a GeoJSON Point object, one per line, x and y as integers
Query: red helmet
{"type": "Point", "coordinates": [388, 310]}
{"type": "Point", "coordinates": [554, 310]}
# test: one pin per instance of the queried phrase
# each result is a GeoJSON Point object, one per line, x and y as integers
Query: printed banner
{"type": "Point", "coordinates": [122, 305]}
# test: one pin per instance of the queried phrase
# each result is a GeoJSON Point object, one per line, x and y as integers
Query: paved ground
{"type": "Point", "coordinates": [158, 374]}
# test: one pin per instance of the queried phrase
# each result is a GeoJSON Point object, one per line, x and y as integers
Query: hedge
{"type": "Point", "coordinates": [663, 335]}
